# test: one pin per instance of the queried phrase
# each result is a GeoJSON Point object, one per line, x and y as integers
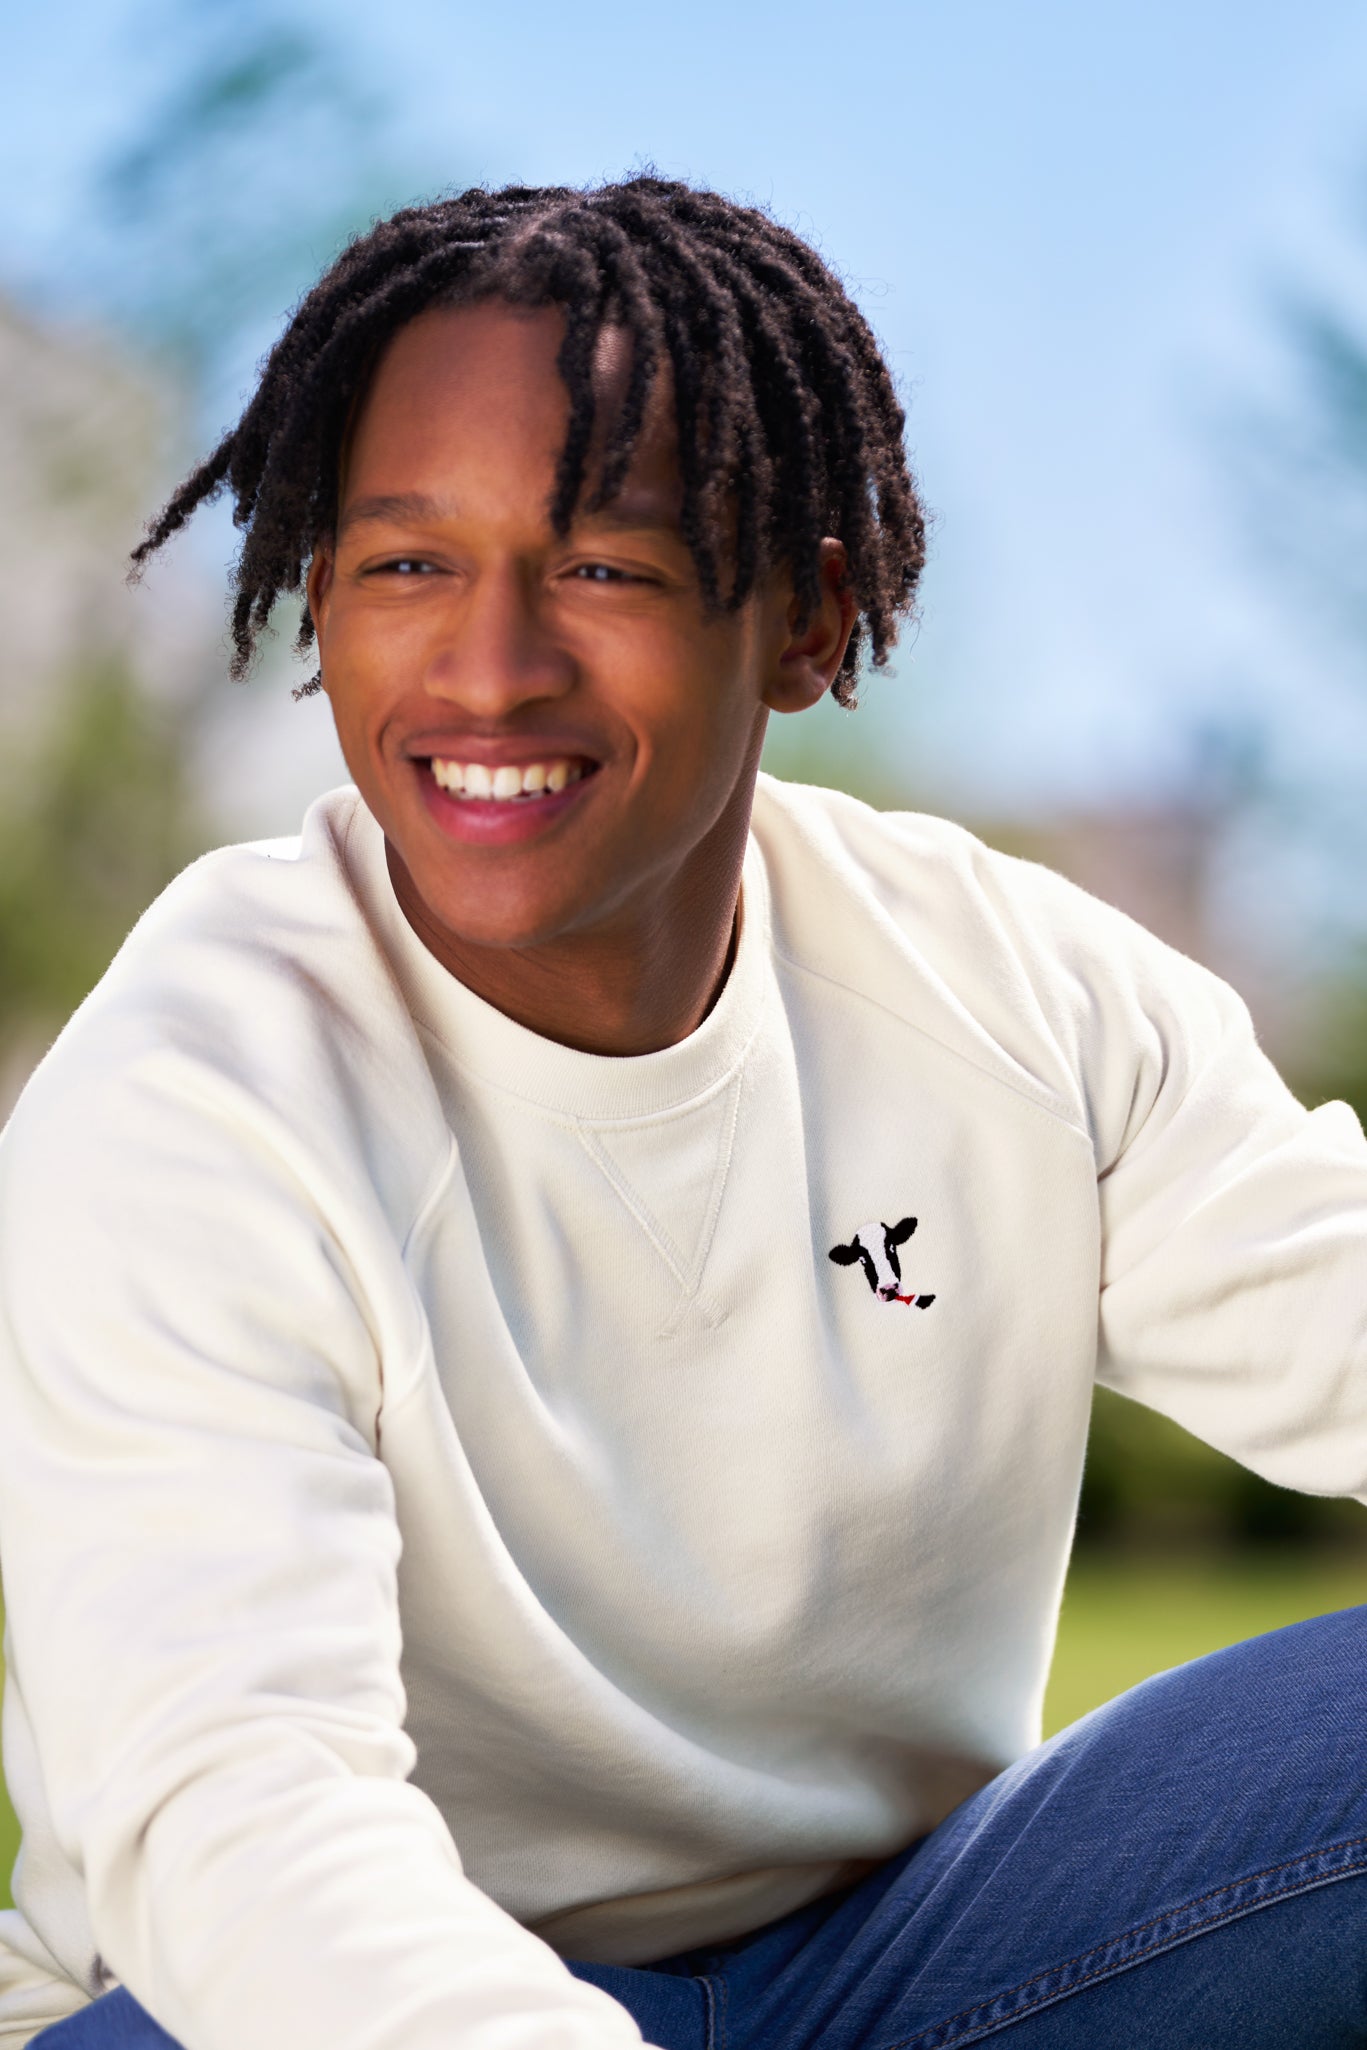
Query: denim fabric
{"type": "Point", "coordinates": [115, 2022]}
{"type": "Point", "coordinates": [1167, 1871]}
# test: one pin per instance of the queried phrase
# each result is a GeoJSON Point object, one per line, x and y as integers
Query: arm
{"type": "Point", "coordinates": [200, 1546]}
{"type": "Point", "coordinates": [1234, 1221]}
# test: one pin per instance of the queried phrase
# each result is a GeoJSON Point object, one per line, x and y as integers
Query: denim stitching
{"type": "Point", "coordinates": [709, 2001]}
{"type": "Point", "coordinates": [971, 2024]}
{"type": "Point", "coordinates": [723, 2011]}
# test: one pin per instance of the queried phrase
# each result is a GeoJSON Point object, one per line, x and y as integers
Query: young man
{"type": "Point", "coordinates": [548, 1324]}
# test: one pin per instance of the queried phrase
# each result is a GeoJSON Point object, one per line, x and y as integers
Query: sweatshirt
{"type": "Point", "coordinates": [467, 1503]}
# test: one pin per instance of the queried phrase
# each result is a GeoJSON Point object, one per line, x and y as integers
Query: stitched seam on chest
{"type": "Point", "coordinates": [688, 1275]}
{"type": "Point", "coordinates": [656, 1233]}
{"type": "Point", "coordinates": [709, 1227]}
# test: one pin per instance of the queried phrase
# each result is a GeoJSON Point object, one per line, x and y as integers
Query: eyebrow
{"type": "Point", "coordinates": [417, 508]}
{"type": "Point", "coordinates": [623, 514]}
{"type": "Point", "coordinates": [394, 508]}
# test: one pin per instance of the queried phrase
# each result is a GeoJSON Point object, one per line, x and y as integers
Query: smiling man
{"type": "Point", "coordinates": [558, 740]}
{"type": "Point", "coordinates": [547, 1326]}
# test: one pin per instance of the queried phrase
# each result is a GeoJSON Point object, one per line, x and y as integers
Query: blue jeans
{"type": "Point", "coordinates": [1184, 1867]}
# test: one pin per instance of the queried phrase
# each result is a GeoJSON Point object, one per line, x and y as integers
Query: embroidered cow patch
{"type": "Point", "coordinates": [875, 1246]}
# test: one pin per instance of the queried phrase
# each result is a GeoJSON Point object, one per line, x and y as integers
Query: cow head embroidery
{"type": "Point", "coordinates": [875, 1246]}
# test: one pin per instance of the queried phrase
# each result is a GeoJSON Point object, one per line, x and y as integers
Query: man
{"type": "Point", "coordinates": [549, 1324]}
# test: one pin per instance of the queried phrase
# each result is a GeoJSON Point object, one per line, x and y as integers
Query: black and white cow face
{"type": "Point", "coordinates": [875, 1245]}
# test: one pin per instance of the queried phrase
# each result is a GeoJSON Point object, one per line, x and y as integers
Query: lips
{"type": "Point", "coordinates": [488, 804]}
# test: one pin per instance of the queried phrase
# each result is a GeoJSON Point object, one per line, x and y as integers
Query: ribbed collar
{"type": "Point", "coordinates": [597, 1087]}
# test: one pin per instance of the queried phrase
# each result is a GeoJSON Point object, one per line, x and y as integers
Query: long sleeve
{"type": "Point", "coordinates": [200, 1554]}
{"type": "Point", "coordinates": [1234, 1280]}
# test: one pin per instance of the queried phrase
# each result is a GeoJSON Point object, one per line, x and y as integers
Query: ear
{"type": "Point", "coordinates": [806, 663]}
{"type": "Point", "coordinates": [318, 586]}
{"type": "Point", "coordinates": [843, 1256]}
{"type": "Point", "coordinates": [898, 1234]}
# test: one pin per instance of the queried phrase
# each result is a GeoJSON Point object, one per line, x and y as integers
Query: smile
{"type": "Point", "coordinates": [487, 805]}
{"type": "Point", "coordinates": [477, 782]}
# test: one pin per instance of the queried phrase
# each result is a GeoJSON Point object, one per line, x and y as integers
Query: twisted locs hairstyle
{"type": "Point", "coordinates": [788, 425]}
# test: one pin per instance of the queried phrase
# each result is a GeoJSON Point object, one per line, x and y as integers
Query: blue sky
{"type": "Point", "coordinates": [1064, 220]}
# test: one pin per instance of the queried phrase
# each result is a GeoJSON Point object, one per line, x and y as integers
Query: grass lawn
{"type": "Point", "coordinates": [1124, 1619]}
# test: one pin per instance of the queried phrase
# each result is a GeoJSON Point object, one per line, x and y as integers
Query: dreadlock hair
{"type": "Point", "coordinates": [788, 425]}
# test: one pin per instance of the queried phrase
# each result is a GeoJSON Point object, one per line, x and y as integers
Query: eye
{"type": "Point", "coordinates": [404, 566]}
{"type": "Point", "coordinates": [608, 575]}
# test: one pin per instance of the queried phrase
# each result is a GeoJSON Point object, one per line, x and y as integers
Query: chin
{"type": "Point", "coordinates": [497, 927]}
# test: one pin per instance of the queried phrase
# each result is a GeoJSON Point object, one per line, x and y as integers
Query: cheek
{"type": "Point", "coordinates": [696, 734]}
{"type": "Point", "coordinates": [365, 622]}
{"type": "Point", "coordinates": [358, 702]}
{"type": "Point", "coordinates": [363, 660]}
{"type": "Point", "coordinates": [349, 737]}
{"type": "Point", "coordinates": [721, 701]}
{"type": "Point", "coordinates": [712, 686]}
{"type": "Point", "coordinates": [356, 641]}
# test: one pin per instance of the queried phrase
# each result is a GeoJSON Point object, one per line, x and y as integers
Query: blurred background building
{"type": "Point", "coordinates": [1118, 258]}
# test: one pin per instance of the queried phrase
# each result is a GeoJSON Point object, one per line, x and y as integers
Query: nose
{"type": "Point", "coordinates": [494, 651]}
{"type": "Point", "coordinates": [887, 1294]}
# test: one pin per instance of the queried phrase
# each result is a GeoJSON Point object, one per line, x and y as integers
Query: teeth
{"type": "Point", "coordinates": [477, 780]}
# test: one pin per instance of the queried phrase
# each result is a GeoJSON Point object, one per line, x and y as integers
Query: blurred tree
{"type": "Point", "coordinates": [1299, 463]}
{"type": "Point", "coordinates": [1307, 462]}
{"type": "Point", "coordinates": [1335, 1067]}
{"type": "Point", "coordinates": [1306, 467]}
{"type": "Point", "coordinates": [1150, 1485]}
{"type": "Point", "coordinates": [98, 822]}
{"type": "Point", "coordinates": [1303, 470]}
{"type": "Point", "coordinates": [849, 750]}
{"type": "Point", "coordinates": [257, 159]}
{"type": "Point", "coordinates": [254, 155]}
{"type": "Point", "coordinates": [95, 811]}
{"type": "Point", "coordinates": [86, 438]}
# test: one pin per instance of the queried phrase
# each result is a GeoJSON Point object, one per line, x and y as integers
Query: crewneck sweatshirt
{"type": "Point", "coordinates": [467, 1503]}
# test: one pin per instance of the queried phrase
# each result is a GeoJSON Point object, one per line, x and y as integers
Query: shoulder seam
{"type": "Point", "coordinates": [1056, 1115]}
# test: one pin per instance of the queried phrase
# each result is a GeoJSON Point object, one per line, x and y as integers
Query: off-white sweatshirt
{"type": "Point", "coordinates": [464, 1500]}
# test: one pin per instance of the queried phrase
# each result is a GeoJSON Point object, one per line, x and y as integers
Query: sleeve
{"type": "Point", "coordinates": [200, 1551]}
{"type": "Point", "coordinates": [1234, 1232]}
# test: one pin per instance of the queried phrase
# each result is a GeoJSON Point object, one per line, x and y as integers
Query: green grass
{"type": "Point", "coordinates": [1126, 1618]}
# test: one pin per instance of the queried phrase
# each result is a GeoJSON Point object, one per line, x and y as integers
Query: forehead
{"type": "Point", "coordinates": [487, 352]}
{"type": "Point", "coordinates": [478, 390]}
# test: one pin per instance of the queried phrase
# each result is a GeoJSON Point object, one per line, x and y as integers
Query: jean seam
{"type": "Point", "coordinates": [708, 1987]}
{"type": "Point", "coordinates": [1163, 1932]}
{"type": "Point", "coordinates": [723, 2012]}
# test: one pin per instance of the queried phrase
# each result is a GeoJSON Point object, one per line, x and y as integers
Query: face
{"type": "Point", "coordinates": [555, 737]}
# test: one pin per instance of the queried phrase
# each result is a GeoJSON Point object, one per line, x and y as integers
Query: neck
{"type": "Point", "coordinates": [639, 983]}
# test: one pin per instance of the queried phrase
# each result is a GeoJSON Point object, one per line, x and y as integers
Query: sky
{"type": "Point", "coordinates": [1067, 223]}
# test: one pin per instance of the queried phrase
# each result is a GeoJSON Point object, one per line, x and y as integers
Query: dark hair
{"type": "Point", "coordinates": [788, 425]}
